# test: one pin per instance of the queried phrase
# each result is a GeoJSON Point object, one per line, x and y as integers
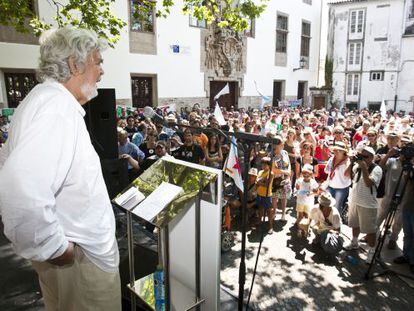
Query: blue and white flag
{"type": "Point", "coordinates": [265, 100]}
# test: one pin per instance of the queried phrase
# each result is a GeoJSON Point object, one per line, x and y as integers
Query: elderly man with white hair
{"type": "Point", "coordinates": [54, 203]}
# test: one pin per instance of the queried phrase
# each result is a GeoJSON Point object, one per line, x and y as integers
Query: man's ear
{"type": "Point", "coordinates": [73, 66]}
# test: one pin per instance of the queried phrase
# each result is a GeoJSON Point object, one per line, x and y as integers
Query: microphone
{"type": "Point", "coordinates": [150, 113]}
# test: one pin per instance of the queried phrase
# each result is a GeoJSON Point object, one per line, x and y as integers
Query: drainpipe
{"type": "Point", "coordinates": [320, 39]}
{"type": "Point", "coordinates": [401, 64]}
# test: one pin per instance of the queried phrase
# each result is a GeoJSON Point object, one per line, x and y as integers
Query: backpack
{"type": "Point", "coordinates": [381, 187]}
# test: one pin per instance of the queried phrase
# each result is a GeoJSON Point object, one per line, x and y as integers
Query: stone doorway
{"type": "Point", "coordinates": [319, 102]}
{"type": "Point", "coordinates": [226, 100]}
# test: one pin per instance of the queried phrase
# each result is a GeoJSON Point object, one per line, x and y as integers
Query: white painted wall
{"type": "Point", "coordinates": [384, 19]}
{"type": "Point", "coordinates": [261, 49]}
{"type": "Point", "coordinates": [179, 75]}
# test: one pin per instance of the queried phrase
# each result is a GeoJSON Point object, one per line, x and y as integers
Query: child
{"type": "Point", "coordinates": [306, 187]}
{"type": "Point", "coordinates": [264, 191]}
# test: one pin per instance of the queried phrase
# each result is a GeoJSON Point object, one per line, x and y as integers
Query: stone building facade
{"type": "Point", "coordinates": [371, 44]}
{"type": "Point", "coordinates": [179, 60]}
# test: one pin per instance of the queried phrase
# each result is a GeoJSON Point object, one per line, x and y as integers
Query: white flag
{"type": "Point", "coordinates": [383, 110]}
{"type": "Point", "coordinates": [224, 90]}
{"type": "Point", "coordinates": [232, 166]}
{"type": "Point", "coordinates": [218, 115]}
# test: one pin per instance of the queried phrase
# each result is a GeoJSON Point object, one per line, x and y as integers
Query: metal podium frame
{"type": "Point", "coordinates": [164, 251]}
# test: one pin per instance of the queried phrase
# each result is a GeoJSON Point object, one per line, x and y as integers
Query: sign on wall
{"type": "Point", "coordinates": [180, 49]}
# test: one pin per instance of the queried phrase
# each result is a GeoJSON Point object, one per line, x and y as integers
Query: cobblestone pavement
{"type": "Point", "coordinates": [294, 275]}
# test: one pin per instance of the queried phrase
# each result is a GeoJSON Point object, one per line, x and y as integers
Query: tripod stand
{"type": "Point", "coordinates": [395, 202]}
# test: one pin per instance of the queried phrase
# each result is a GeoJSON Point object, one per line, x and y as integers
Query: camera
{"type": "Point", "coordinates": [357, 157]}
{"type": "Point", "coordinates": [408, 151]}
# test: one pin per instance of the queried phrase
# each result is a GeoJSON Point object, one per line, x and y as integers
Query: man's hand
{"type": "Point", "coordinates": [124, 156]}
{"type": "Point", "coordinates": [66, 258]}
{"type": "Point", "coordinates": [362, 164]}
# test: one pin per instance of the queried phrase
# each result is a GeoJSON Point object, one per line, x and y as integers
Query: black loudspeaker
{"type": "Point", "coordinates": [100, 120]}
{"type": "Point", "coordinates": [115, 174]}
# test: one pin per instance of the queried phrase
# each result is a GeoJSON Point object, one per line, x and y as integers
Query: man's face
{"type": "Point", "coordinates": [130, 122]}
{"type": "Point", "coordinates": [90, 76]}
{"type": "Point", "coordinates": [372, 137]}
{"type": "Point", "coordinates": [122, 138]}
{"type": "Point", "coordinates": [367, 156]}
{"type": "Point", "coordinates": [392, 141]}
{"type": "Point", "coordinates": [160, 151]}
{"type": "Point", "coordinates": [188, 138]}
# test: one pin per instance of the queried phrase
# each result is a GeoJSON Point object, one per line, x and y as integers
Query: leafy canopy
{"type": "Point", "coordinates": [97, 14]}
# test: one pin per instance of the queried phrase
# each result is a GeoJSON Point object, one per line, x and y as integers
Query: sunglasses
{"type": "Point", "coordinates": [371, 135]}
{"type": "Point", "coordinates": [338, 132]}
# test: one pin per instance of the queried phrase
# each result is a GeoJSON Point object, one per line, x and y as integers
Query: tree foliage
{"type": "Point", "coordinates": [328, 72]}
{"type": "Point", "coordinates": [97, 14]}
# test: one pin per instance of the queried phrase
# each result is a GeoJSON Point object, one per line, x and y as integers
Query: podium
{"type": "Point", "coordinates": [189, 227]}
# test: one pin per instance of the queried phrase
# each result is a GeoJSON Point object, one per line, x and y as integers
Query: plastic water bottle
{"type": "Point", "coordinates": [159, 289]}
{"type": "Point", "coordinates": [352, 260]}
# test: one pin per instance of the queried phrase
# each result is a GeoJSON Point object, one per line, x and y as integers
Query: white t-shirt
{"type": "Point", "coordinates": [305, 195]}
{"type": "Point", "coordinates": [334, 218]}
{"type": "Point", "coordinates": [361, 194]}
{"type": "Point", "coordinates": [338, 180]}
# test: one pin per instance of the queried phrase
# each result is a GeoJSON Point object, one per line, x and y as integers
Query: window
{"type": "Point", "coordinates": [354, 53]}
{"type": "Point", "coordinates": [141, 91]}
{"type": "Point", "coordinates": [356, 21]}
{"type": "Point", "coordinates": [376, 76]}
{"type": "Point", "coordinates": [411, 14]}
{"type": "Point", "coordinates": [142, 16]}
{"type": "Point", "coordinates": [18, 85]}
{"type": "Point", "coordinates": [307, 2]}
{"type": "Point", "coordinates": [352, 84]}
{"type": "Point", "coordinates": [195, 22]}
{"type": "Point", "coordinates": [305, 39]}
{"type": "Point", "coordinates": [281, 33]}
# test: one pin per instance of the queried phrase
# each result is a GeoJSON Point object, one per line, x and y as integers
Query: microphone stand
{"type": "Point", "coordinates": [247, 143]}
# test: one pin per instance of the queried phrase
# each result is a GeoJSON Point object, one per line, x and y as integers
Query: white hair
{"type": "Point", "coordinates": [57, 46]}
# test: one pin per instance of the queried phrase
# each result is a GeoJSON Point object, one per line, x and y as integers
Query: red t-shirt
{"type": "Point", "coordinates": [359, 136]}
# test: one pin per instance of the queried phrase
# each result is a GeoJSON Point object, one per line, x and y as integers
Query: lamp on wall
{"type": "Point", "coordinates": [302, 64]}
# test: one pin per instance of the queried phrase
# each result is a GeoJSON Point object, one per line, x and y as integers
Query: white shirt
{"type": "Point", "coordinates": [338, 180]}
{"type": "Point", "coordinates": [305, 194]}
{"type": "Point", "coordinates": [334, 218]}
{"type": "Point", "coordinates": [51, 185]}
{"type": "Point", "coordinates": [361, 194]}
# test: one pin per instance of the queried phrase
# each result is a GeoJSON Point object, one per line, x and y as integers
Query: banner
{"type": "Point", "coordinates": [219, 115]}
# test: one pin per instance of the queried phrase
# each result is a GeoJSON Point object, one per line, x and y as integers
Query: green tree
{"type": "Point", "coordinates": [328, 72]}
{"type": "Point", "coordinates": [97, 14]}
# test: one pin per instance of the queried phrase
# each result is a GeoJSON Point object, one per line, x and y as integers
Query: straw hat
{"type": "Point", "coordinates": [341, 146]}
{"type": "Point", "coordinates": [369, 150]}
{"type": "Point", "coordinates": [253, 171]}
{"type": "Point", "coordinates": [326, 199]}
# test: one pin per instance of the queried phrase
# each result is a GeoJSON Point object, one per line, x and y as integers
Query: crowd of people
{"type": "Point", "coordinates": [338, 165]}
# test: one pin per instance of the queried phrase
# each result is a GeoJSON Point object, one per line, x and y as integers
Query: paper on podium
{"type": "Point", "coordinates": [157, 201]}
{"type": "Point", "coordinates": [130, 198]}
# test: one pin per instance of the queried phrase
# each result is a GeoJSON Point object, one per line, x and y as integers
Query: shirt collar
{"type": "Point", "coordinates": [78, 106]}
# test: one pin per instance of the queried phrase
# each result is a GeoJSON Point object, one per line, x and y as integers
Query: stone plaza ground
{"type": "Point", "coordinates": [294, 275]}
{"type": "Point", "coordinates": [291, 275]}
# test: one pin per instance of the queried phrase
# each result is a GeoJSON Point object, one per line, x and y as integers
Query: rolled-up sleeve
{"type": "Point", "coordinates": [30, 178]}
